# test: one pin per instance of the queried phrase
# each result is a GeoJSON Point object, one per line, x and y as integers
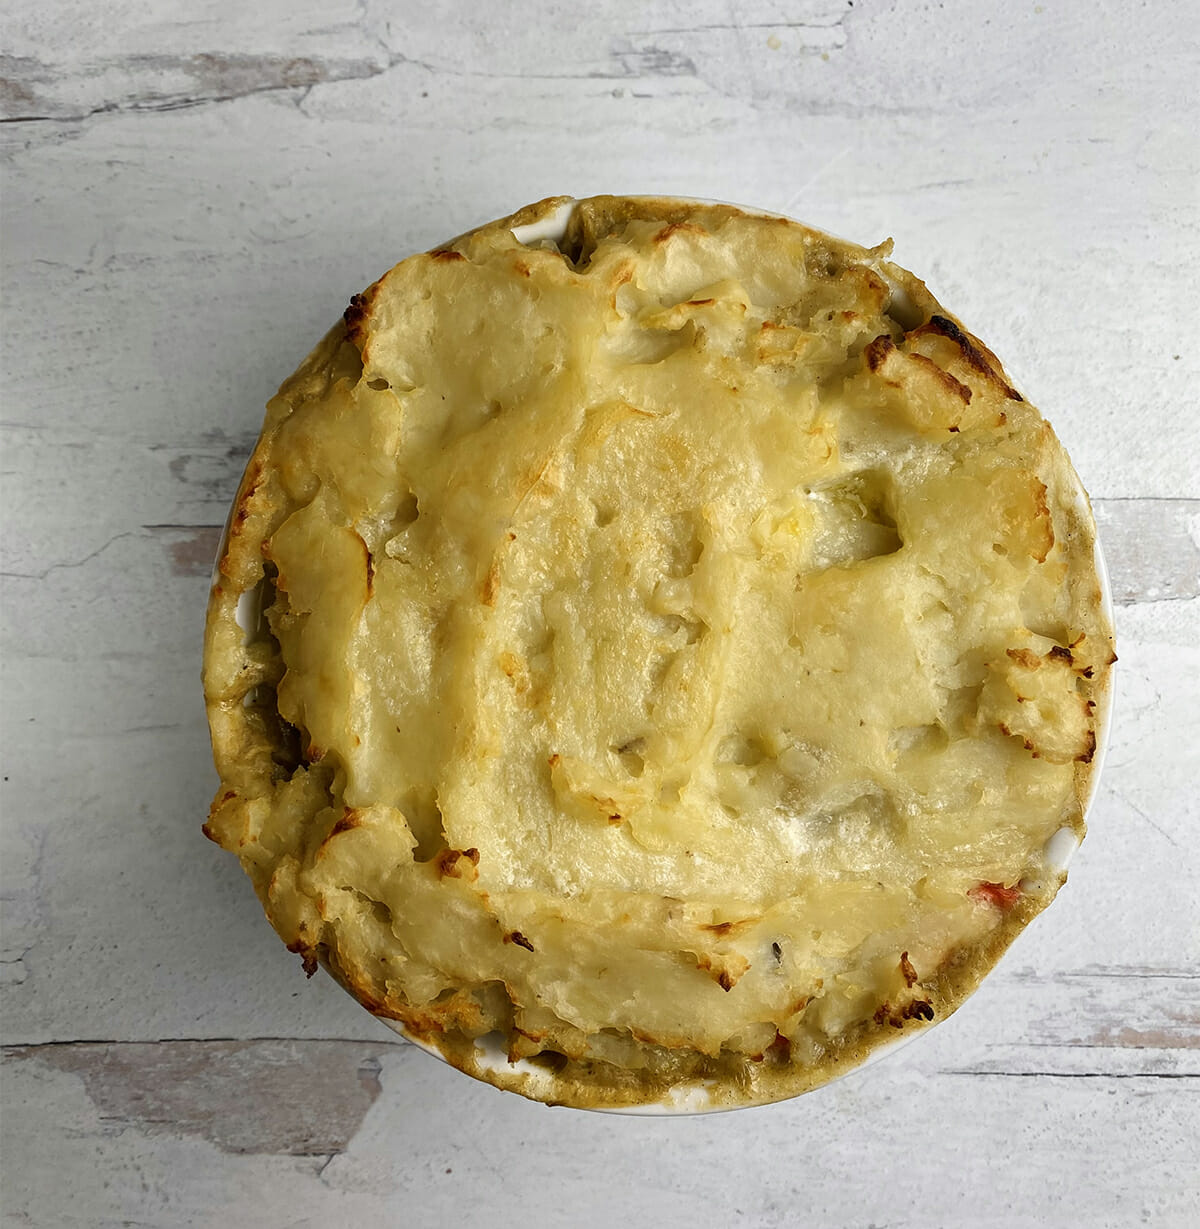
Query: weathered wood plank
{"type": "Point", "coordinates": [1152, 547]}
{"type": "Point", "coordinates": [898, 1144]}
{"type": "Point", "coordinates": [1109, 1021]}
{"type": "Point", "coordinates": [191, 217]}
{"type": "Point", "coordinates": [106, 729]}
{"type": "Point", "coordinates": [804, 53]}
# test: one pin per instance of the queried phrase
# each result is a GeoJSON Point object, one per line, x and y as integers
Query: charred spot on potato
{"type": "Point", "coordinates": [907, 970]}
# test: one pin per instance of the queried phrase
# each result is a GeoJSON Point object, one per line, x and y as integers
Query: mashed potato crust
{"type": "Point", "coordinates": [672, 649]}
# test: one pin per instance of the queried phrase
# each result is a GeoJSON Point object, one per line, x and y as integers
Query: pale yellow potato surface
{"type": "Point", "coordinates": [678, 645]}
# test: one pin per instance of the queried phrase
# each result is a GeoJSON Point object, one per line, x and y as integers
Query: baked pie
{"type": "Point", "coordinates": [667, 648]}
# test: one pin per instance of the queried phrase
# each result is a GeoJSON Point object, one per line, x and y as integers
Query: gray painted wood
{"type": "Point", "coordinates": [191, 194]}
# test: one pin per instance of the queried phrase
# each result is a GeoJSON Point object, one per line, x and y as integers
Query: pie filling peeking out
{"type": "Point", "coordinates": [672, 651]}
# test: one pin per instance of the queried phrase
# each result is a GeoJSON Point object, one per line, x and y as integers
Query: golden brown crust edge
{"type": "Point", "coordinates": [739, 1084]}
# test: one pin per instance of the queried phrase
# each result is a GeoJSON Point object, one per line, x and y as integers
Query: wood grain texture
{"type": "Point", "coordinates": [191, 195]}
{"type": "Point", "coordinates": [899, 1143]}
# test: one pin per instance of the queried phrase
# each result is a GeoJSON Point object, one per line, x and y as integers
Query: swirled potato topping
{"type": "Point", "coordinates": [669, 649]}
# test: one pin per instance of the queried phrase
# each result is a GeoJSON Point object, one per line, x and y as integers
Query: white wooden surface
{"type": "Point", "coordinates": [191, 193]}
